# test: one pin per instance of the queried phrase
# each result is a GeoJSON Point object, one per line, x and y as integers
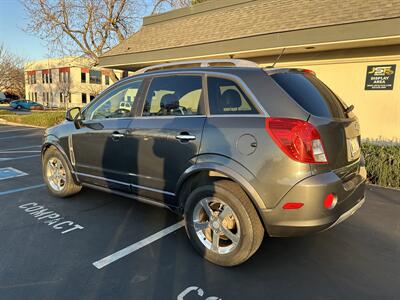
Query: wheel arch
{"type": "Point", "coordinates": [213, 170]}
{"type": "Point", "coordinates": [53, 142]}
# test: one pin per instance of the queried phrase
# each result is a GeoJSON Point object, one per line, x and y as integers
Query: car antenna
{"type": "Point", "coordinates": [278, 58]}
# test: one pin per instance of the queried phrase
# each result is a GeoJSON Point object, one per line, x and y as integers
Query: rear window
{"type": "Point", "coordinates": [311, 94]}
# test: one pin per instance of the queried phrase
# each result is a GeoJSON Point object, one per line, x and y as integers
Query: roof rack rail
{"type": "Point", "coordinates": [201, 64]}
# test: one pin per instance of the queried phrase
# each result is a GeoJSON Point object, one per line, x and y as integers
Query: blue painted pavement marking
{"type": "Point", "coordinates": [9, 172]}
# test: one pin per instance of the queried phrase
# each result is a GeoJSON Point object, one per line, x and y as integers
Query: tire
{"type": "Point", "coordinates": [67, 187]}
{"type": "Point", "coordinates": [19, 107]}
{"type": "Point", "coordinates": [246, 227]}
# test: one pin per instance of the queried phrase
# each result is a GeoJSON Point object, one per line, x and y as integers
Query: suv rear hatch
{"type": "Point", "coordinates": [337, 124]}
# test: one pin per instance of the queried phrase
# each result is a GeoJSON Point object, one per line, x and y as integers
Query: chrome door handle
{"type": "Point", "coordinates": [185, 137]}
{"type": "Point", "coordinates": [117, 135]}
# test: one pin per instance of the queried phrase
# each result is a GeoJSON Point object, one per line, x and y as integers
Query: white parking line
{"type": "Point", "coordinates": [22, 189]}
{"type": "Point", "coordinates": [21, 151]}
{"type": "Point", "coordinates": [25, 147]}
{"type": "Point", "coordinates": [21, 157]}
{"type": "Point", "coordinates": [136, 246]}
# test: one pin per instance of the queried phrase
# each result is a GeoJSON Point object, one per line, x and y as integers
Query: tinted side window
{"type": "Point", "coordinates": [174, 96]}
{"type": "Point", "coordinates": [311, 94]}
{"type": "Point", "coordinates": [117, 103]}
{"type": "Point", "coordinates": [226, 97]}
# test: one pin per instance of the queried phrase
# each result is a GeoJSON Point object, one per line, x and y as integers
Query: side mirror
{"type": "Point", "coordinates": [73, 113]}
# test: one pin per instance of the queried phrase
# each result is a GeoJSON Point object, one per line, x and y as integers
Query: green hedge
{"type": "Point", "coordinates": [382, 163]}
{"type": "Point", "coordinates": [44, 119]}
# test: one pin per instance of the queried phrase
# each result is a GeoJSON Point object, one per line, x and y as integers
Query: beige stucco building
{"type": "Point", "coordinates": [347, 43]}
{"type": "Point", "coordinates": [65, 82]}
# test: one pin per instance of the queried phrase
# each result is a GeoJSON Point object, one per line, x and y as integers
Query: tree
{"type": "Point", "coordinates": [88, 27]}
{"type": "Point", "coordinates": [162, 5]}
{"type": "Point", "coordinates": [12, 78]}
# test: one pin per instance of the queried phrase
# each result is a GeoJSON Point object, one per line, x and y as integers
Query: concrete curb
{"type": "Point", "coordinates": [4, 122]}
{"type": "Point", "coordinates": [383, 187]}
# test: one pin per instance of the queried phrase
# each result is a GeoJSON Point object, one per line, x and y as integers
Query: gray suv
{"type": "Point", "coordinates": [238, 150]}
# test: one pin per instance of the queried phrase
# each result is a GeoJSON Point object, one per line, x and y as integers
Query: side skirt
{"type": "Point", "coordinates": [145, 200]}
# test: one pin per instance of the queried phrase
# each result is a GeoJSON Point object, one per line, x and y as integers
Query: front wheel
{"type": "Point", "coordinates": [57, 175]}
{"type": "Point", "coordinates": [222, 223]}
{"type": "Point", "coordinates": [19, 107]}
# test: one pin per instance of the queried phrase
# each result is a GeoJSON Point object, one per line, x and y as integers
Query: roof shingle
{"type": "Point", "coordinates": [252, 18]}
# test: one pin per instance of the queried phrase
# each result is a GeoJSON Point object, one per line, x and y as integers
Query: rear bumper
{"type": "Point", "coordinates": [313, 216]}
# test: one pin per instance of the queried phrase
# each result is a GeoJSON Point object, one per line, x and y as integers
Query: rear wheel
{"type": "Point", "coordinates": [222, 223]}
{"type": "Point", "coordinates": [57, 175]}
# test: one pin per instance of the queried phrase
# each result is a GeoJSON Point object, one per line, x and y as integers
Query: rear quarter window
{"type": "Point", "coordinates": [226, 98]}
{"type": "Point", "coordinates": [311, 94]}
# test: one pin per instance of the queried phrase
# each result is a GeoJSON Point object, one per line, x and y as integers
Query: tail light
{"type": "Point", "coordinates": [309, 71]}
{"type": "Point", "coordinates": [299, 139]}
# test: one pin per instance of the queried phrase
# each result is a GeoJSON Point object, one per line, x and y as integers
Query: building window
{"type": "Point", "coordinates": [49, 75]}
{"type": "Point", "coordinates": [83, 77]}
{"type": "Point", "coordinates": [84, 100]}
{"type": "Point", "coordinates": [91, 98]}
{"type": "Point", "coordinates": [31, 77]}
{"type": "Point", "coordinates": [46, 76]}
{"type": "Point", "coordinates": [61, 98]}
{"type": "Point", "coordinates": [107, 79]}
{"type": "Point", "coordinates": [35, 96]}
{"type": "Point", "coordinates": [94, 77]}
{"type": "Point", "coordinates": [64, 77]}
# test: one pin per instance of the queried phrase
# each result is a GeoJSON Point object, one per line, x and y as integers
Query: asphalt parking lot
{"type": "Point", "coordinates": [55, 257]}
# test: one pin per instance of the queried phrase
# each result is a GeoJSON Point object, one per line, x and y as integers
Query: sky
{"type": "Point", "coordinates": [12, 22]}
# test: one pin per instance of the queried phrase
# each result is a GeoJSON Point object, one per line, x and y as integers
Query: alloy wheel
{"type": "Point", "coordinates": [56, 174]}
{"type": "Point", "coordinates": [216, 225]}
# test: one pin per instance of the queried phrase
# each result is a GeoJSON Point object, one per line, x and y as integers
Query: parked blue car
{"type": "Point", "coordinates": [25, 104]}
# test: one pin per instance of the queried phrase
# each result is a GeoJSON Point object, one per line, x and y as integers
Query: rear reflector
{"type": "Point", "coordinates": [293, 205]}
{"type": "Point", "coordinates": [299, 139]}
{"type": "Point", "coordinates": [330, 201]}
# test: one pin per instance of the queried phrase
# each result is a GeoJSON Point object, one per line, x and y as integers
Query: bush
{"type": "Point", "coordinates": [44, 119]}
{"type": "Point", "coordinates": [382, 163]}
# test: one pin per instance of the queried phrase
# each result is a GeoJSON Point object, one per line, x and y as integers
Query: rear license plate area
{"type": "Point", "coordinates": [353, 148]}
